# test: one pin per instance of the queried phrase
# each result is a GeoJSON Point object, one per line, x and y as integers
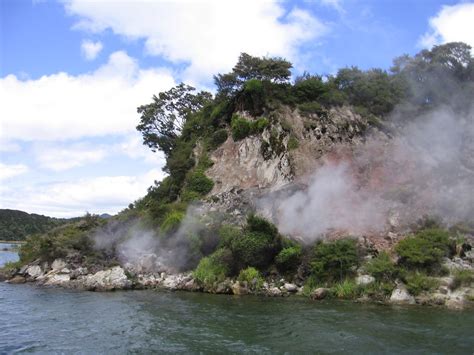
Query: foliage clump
{"type": "Point", "coordinates": [213, 268]}
{"type": "Point", "coordinates": [288, 259]}
{"type": "Point", "coordinates": [252, 277]}
{"type": "Point", "coordinates": [334, 261]}
{"type": "Point", "coordinates": [425, 249]}
{"type": "Point", "coordinates": [382, 267]}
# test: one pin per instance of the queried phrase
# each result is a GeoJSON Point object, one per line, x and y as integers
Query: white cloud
{"type": "Point", "coordinates": [73, 198]}
{"type": "Point", "coordinates": [8, 171]}
{"type": "Point", "coordinates": [62, 106]}
{"type": "Point", "coordinates": [452, 24]}
{"type": "Point", "coordinates": [60, 157]}
{"type": "Point", "coordinates": [133, 147]}
{"type": "Point", "coordinates": [335, 4]}
{"type": "Point", "coordinates": [206, 35]}
{"type": "Point", "coordinates": [90, 50]}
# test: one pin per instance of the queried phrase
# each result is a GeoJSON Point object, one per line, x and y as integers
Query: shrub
{"type": "Point", "coordinates": [252, 277]}
{"type": "Point", "coordinates": [218, 137]}
{"type": "Point", "coordinates": [382, 267]}
{"type": "Point", "coordinates": [172, 221]}
{"type": "Point", "coordinates": [259, 224]}
{"type": "Point", "coordinates": [347, 289]}
{"type": "Point", "coordinates": [198, 182]}
{"type": "Point", "coordinates": [379, 290]}
{"type": "Point", "coordinates": [289, 259]}
{"type": "Point", "coordinates": [463, 278]}
{"type": "Point", "coordinates": [334, 260]}
{"type": "Point", "coordinates": [213, 268]}
{"type": "Point", "coordinates": [425, 249]}
{"type": "Point", "coordinates": [256, 245]}
{"type": "Point", "coordinates": [417, 283]}
{"type": "Point", "coordinates": [240, 127]}
{"type": "Point", "coordinates": [258, 125]}
{"type": "Point", "coordinates": [309, 89]}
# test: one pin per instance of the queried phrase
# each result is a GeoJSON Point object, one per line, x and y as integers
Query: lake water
{"type": "Point", "coordinates": [44, 320]}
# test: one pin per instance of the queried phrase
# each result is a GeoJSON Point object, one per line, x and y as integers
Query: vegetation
{"type": "Point", "coordinates": [463, 278]}
{"type": "Point", "coordinates": [346, 289]}
{"type": "Point", "coordinates": [334, 261]}
{"type": "Point", "coordinates": [17, 225]}
{"type": "Point", "coordinates": [213, 268]}
{"type": "Point", "coordinates": [252, 277]}
{"type": "Point", "coordinates": [425, 249]}
{"type": "Point", "coordinates": [418, 282]}
{"type": "Point", "coordinates": [69, 239]}
{"type": "Point", "coordinates": [288, 259]}
{"type": "Point", "coordinates": [382, 267]}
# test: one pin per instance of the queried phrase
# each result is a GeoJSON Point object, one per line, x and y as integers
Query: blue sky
{"type": "Point", "coordinates": [73, 72]}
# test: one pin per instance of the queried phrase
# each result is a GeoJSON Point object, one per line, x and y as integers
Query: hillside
{"type": "Point", "coordinates": [351, 185]}
{"type": "Point", "coordinates": [17, 225]}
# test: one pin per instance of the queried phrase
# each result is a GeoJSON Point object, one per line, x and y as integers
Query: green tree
{"type": "Point", "coordinates": [162, 121]}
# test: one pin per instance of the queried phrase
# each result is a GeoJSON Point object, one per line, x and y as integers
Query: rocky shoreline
{"type": "Point", "coordinates": [60, 273]}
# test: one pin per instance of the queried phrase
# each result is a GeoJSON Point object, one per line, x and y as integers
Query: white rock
{"type": "Point", "coordinates": [290, 287]}
{"type": "Point", "coordinates": [57, 279]}
{"type": "Point", "coordinates": [364, 279]}
{"type": "Point", "coordinates": [34, 271]}
{"type": "Point", "coordinates": [274, 291]}
{"type": "Point", "coordinates": [401, 296]}
{"type": "Point", "coordinates": [58, 264]}
{"type": "Point", "coordinates": [110, 279]}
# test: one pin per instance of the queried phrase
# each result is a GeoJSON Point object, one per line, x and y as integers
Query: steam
{"type": "Point", "coordinates": [427, 169]}
{"type": "Point", "coordinates": [141, 249]}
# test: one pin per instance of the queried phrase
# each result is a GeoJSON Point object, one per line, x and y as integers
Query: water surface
{"type": "Point", "coordinates": [42, 320]}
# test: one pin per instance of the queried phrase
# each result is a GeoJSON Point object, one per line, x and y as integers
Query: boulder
{"type": "Point", "coordinates": [57, 280]}
{"type": "Point", "coordinates": [34, 271]}
{"type": "Point", "coordinates": [319, 293]}
{"type": "Point", "coordinates": [58, 264]}
{"type": "Point", "coordinates": [18, 279]}
{"type": "Point", "coordinates": [290, 287]}
{"type": "Point", "coordinates": [107, 280]}
{"type": "Point", "coordinates": [239, 288]}
{"type": "Point", "coordinates": [400, 295]}
{"type": "Point", "coordinates": [224, 287]}
{"type": "Point", "coordinates": [364, 279]}
{"type": "Point", "coordinates": [274, 292]}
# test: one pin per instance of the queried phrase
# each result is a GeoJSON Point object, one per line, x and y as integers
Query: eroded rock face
{"type": "Point", "coordinates": [265, 161]}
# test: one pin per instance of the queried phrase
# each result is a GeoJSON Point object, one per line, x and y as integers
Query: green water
{"type": "Point", "coordinates": [42, 320]}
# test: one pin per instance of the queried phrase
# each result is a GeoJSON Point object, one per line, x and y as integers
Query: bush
{"type": "Point", "coordinates": [198, 182]}
{"type": "Point", "coordinates": [334, 260]}
{"type": "Point", "coordinates": [425, 249]}
{"type": "Point", "coordinates": [379, 290]}
{"type": "Point", "coordinates": [347, 289]}
{"type": "Point", "coordinates": [256, 245]}
{"type": "Point", "coordinates": [240, 127]}
{"type": "Point", "coordinates": [218, 137]}
{"type": "Point", "coordinates": [258, 125]}
{"type": "Point", "coordinates": [288, 259]}
{"type": "Point", "coordinates": [172, 221]}
{"type": "Point", "coordinates": [382, 267]}
{"type": "Point", "coordinates": [213, 268]}
{"type": "Point", "coordinates": [417, 283]}
{"type": "Point", "coordinates": [463, 278]}
{"type": "Point", "coordinates": [252, 277]}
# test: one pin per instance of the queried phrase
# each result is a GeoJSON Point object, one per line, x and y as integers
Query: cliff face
{"type": "Point", "coordinates": [287, 152]}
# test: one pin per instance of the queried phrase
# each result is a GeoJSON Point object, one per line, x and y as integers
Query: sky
{"type": "Point", "coordinates": [73, 72]}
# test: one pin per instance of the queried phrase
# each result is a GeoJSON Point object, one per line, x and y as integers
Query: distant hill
{"type": "Point", "coordinates": [17, 225]}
